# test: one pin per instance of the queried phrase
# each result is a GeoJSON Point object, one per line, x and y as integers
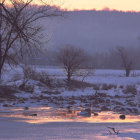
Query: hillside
{"type": "Point", "coordinates": [94, 30]}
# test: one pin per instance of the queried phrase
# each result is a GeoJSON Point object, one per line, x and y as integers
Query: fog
{"type": "Point", "coordinates": [94, 30]}
{"type": "Point", "coordinates": [98, 33]}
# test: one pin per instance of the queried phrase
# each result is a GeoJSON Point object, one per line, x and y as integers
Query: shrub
{"type": "Point", "coordinates": [29, 73]}
{"type": "Point", "coordinates": [96, 87]}
{"type": "Point", "coordinates": [107, 87]}
{"type": "Point", "coordinates": [7, 92]}
{"type": "Point", "coordinates": [73, 84]}
{"type": "Point", "coordinates": [121, 86]}
{"type": "Point", "coordinates": [130, 89]}
{"type": "Point", "coordinates": [27, 88]}
{"type": "Point", "coordinates": [42, 77]}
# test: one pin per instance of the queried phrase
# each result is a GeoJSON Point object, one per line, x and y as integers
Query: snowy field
{"type": "Point", "coordinates": [10, 129]}
{"type": "Point", "coordinates": [103, 90]}
{"type": "Point", "coordinates": [109, 89]}
{"type": "Point", "coordinates": [98, 77]}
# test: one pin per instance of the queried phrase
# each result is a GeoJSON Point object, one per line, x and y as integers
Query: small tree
{"type": "Point", "coordinates": [127, 60]}
{"type": "Point", "coordinates": [84, 73]}
{"type": "Point", "coordinates": [72, 59]}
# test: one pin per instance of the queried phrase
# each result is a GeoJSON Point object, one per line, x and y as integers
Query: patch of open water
{"type": "Point", "coordinates": [49, 114]}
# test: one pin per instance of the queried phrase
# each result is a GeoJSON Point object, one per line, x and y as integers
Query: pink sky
{"type": "Point", "coordinates": [122, 5]}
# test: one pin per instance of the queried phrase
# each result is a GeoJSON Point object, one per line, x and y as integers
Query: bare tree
{"type": "Point", "coordinates": [84, 73]}
{"type": "Point", "coordinates": [72, 59]}
{"type": "Point", "coordinates": [19, 27]}
{"type": "Point", "coordinates": [127, 60]}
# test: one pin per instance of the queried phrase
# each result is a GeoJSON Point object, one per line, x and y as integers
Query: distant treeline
{"type": "Point", "coordinates": [99, 60]}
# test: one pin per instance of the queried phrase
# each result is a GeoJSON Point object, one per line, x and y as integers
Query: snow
{"type": "Point", "coordinates": [24, 95]}
{"type": "Point", "coordinates": [111, 83]}
{"type": "Point", "coordinates": [84, 113]}
{"type": "Point", "coordinates": [78, 92]}
{"type": "Point", "coordinates": [107, 76]}
{"type": "Point", "coordinates": [113, 80]}
{"type": "Point", "coordinates": [14, 129]}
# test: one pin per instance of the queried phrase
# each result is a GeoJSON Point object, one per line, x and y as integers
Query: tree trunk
{"type": "Point", "coordinates": [68, 77]}
{"type": "Point", "coordinates": [0, 56]}
{"type": "Point", "coordinates": [127, 72]}
{"type": "Point", "coordinates": [0, 41]}
{"type": "Point", "coordinates": [0, 70]}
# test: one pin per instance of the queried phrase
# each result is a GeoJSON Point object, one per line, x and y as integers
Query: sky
{"type": "Point", "coordinates": [121, 5]}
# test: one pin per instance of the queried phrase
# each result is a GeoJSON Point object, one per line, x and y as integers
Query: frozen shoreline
{"type": "Point", "coordinates": [13, 129]}
{"type": "Point", "coordinates": [104, 91]}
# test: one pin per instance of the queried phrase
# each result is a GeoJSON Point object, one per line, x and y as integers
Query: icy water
{"type": "Point", "coordinates": [48, 114]}
{"type": "Point", "coordinates": [45, 123]}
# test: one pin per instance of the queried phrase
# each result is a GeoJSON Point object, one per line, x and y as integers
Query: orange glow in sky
{"type": "Point", "coordinates": [121, 5]}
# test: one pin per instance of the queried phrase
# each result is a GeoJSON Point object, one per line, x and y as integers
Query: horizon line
{"type": "Point", "coordinates": [101, 10]}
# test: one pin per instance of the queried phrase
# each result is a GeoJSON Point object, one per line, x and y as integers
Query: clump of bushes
{"type": "Point", "coordinates": [7, 92]}
{"type": "Point", "coordinates": [130, 89]}
{"type": "Point", "coordinates": [96, 87]}
{"type": "Point", "coordinates": [107, 87]}
{"type": "Point", "coordinates": [26, 88]}
{"type": "Point", "coordinates": [74, 84]}
{"type": "Point", "coordinates": [121, 86]}
{"type": "Point", "coordinates": [43, 77]}
{"type": "Point", "coordinates": [29, 73]}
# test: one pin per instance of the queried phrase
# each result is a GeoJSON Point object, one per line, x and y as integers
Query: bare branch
{"type": "Point", "coordinates": [127, 62]}
{"type": "Point", "coordinates": [19, 30]}
{"type": "Point", "coordinates": [72, 59]}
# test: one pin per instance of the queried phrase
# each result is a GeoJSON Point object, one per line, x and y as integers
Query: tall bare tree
{"type": "Point", "coordinates": [127, 60]}
{"type": "Point", "coordinates": [20, 30]}
{"type": "Point", "coordinates": [72, 59]}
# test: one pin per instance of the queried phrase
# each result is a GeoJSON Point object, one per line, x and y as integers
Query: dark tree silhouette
{"type": "Point", "coordinates": [126, 60]}
{"type": "Point", "coordinates": [19, 30]}
{"type": "Point", "coordinates": [72, 59]}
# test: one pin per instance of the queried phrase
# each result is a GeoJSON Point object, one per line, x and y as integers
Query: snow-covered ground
{"type": "Point", "coordinates": [99, 76]}
{"type": "Point", "coordinates": [104, 90]}
{"type": "Point", "coordinates": [11, 129]}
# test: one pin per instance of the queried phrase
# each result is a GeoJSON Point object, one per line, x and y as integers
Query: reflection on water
{"type": "Point", "coordinates": [47, 114]}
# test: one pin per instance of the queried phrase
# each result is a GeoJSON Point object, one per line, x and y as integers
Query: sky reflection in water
{"type": "Point", "coordinates": [47, 114]}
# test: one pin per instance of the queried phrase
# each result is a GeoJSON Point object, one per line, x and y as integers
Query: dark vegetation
{"type": "Point", "coordinates": [7, 92]}
{"type": "Point", "coordinates": [30, 73]}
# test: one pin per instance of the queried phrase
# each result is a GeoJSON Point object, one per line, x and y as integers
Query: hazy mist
{"type": "Point", "coordinates": [94, 30]}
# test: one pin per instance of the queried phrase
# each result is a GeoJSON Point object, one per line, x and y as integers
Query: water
{"type": "Point", "coordinates": [65, 124]}
{"type": "Point", "coordinates": [48, 114]}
